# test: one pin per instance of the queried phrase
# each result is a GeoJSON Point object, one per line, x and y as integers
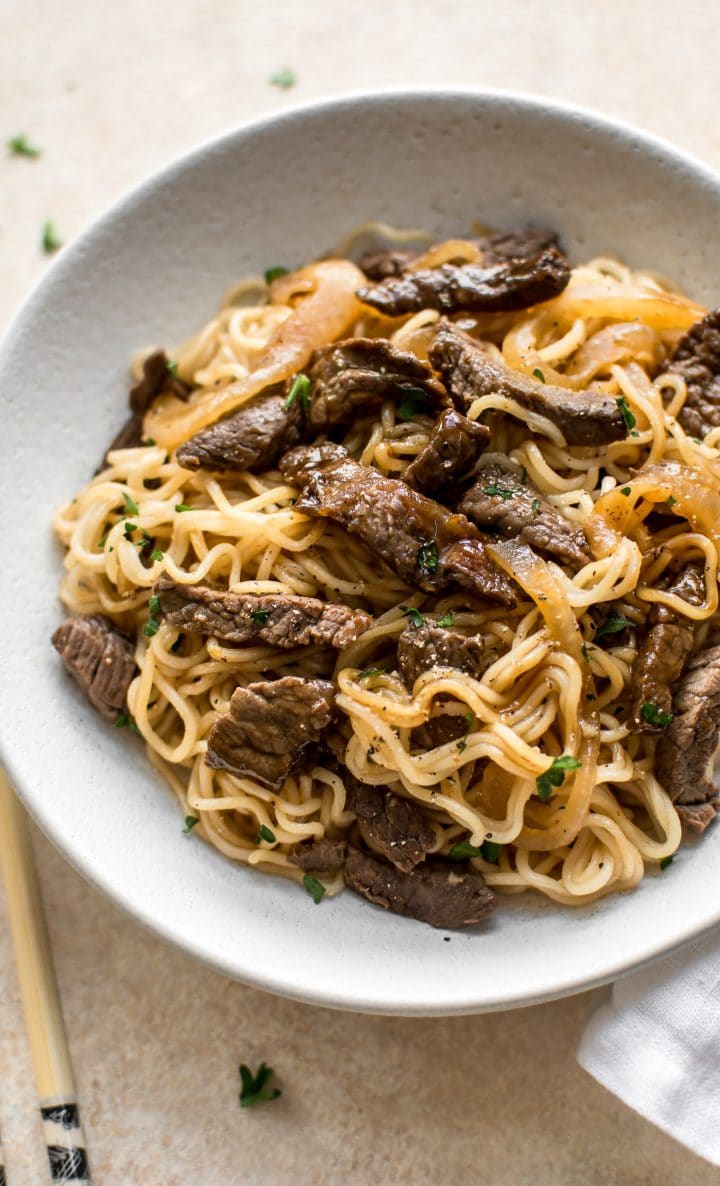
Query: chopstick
{"type": "Point", "coordinates": [57, 1096]}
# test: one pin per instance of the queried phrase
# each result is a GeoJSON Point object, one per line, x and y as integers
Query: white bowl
{"type": "Point", "coordinates": [151, 270]}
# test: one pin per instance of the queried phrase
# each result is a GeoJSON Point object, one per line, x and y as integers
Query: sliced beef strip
{"type": "Point", "coordinates": [130, 436]}
{"type": "Point", "coordinates": [389, 823]}
{"type": "Point", "coordinates": [271, 728]}
{"type": "Point", "coordinates": [439, 730]}
{"type": "Point", "coordinates": [355, 376]}
{"type": "Point", "coordinates": [437, 892]}
{"type": "Point", "coordinates": [421, 648]}
{"type": "Point", "coordinates": [504, 500]}
{"type": "Point", "coordinates": [100, 658]}
{"type": "Point", "coordinates": [280, 619]}
{"type": "Point", "coordinates": [299, 464]}
{"type": "Point", "coordinates": [452, 451]}
{"type": "Point", "coordinates": [668, 643]}
{"type": "Point", "coordinates": [696, 817]}
{"type": "Point", "coordinates": [697, 358]}
{"type": "Point", "coordinates": [322, 856]}
{"type": "Point", "coordinates": [424, 543]}
{"type": "Point", "coordinates": [156, 378]}
{"type": "Point", "coordinates": [583, 417]}
{"type": "Point", "coordinates": [686, 749]}
{"type": "Point", "coordinates": [250, 439]}
{"type": "Point", "coordinates": [386, 262]}
{"type": "Point", "coordinates": [496, 288]}
{"type": "Point", "coordinates": [523, 243]}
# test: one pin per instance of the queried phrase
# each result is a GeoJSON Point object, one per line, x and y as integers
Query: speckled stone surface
{"type": "Point", "coordinates": [109, 93]}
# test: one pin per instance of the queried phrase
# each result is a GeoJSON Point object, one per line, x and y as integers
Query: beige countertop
{"type": "Point", "coordinates": [110, 92]}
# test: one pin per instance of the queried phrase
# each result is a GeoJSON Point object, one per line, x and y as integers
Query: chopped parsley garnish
{"type": "Point", "coordinates": [21, 146]}
{"type": "Point", "coordinates": [539, 375]}
{"type": "Point", "coordinates": [254, 1089]}
{"type": "Point", "coordinates": [156, 554]}
{"type": "Point", "coordinates": [148, 442]}
{"type": "Point", "coordinates": [265, 834]}
{"type": "Point", "coordinates": [555, 775]}
{"type": "Point", "coordinates": [259, 617]}
{"type": "Point", "coordinates": [130, 505]}
{"type": "Point", "coordinates": [369, 672]}
{"type": "Point", "coordinates": [499, 490]}
{"type": "Point", "coordinates": [427, 557]}
{"type": "Point", "coordinates": [414, 615]}
{"type": "Point", "coordinates": [469, 722]}
{"type": "Point", "coordinates": [463, 850]}
{"type": "Point", "coordinates": [190, 821]}
{"type": "Point", "coordinates": [283, 78]}
{"type": "Point", "coordinates": [125, 721]}
{"type": "Point", "coordinates": [627, 491]}
{"type": "Point", "coordinates": [103, 540]}
{"type": "Point", "coordinates": [154, 604]}
{"type": "Point", "coordinates": [654, 715]}
{"type": "Point", "coordinates": [300, 388]}
{"type": "Point", "coordinates": [535, 507]}
{"type": "Point", "coordinates": [445, 620]}
{"type": "Point", "coordinates": [666, 861]}
{"type": "Point", "coordinates": [151, 627]}
{"type": "Point", "coordinates": [275, 274]}
{"type": "Point", "coordinates": [182, 506]}
{"type": "Point", "coordinates": [315, 888]}
{"type": "Point", "coordinates": [627, 415]}
{"type": "Point", "coordinates": [50, 239]}
{"type": "Point", "coordinates": [614, 624]}
{"type": "Point", "coordinates": [129, 528]}
{"type": "Point", "coordinates": [172, 368]}
{"type": "Point", "coordinates": [671, 500]}
{"type": "Point", "coordinates": [413, 401]}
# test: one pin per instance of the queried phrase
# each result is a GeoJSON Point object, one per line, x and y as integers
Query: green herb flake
{"type": "Point", "coordinates": [156, 554]}
{"type": "Point", "coordinates": [259, 617]}
{"type": "Point", "coordinates": [654, 715]}
{"type": "Point", "coordinates": [122, 721]}
{"type": "Point", "coordinates": [50, 239]}
{"type": "Point", "coordinates": [445, 620]}
{"type": "Point", "coordinates": [149, 442]}
{"type": "Point", "coordinates": [300, 389]}
{"type": "Point", "coordinates": [172, 368]}
{"type": "Point", "coordinates": [614, 624]}
{"type": "Point", "coordinates": [130, 505]}
{"type": "Point", "coordinates": [671, 500]}
{"type": "Point", "coordinates": [255, 1089]}
{"type": "Point", "coordinates": [414, 399]}
{"type": "Point", "coordinates": [463, 850]}
{"type": "Point", "coordinates": [627, 491]}
{"type": "Point", "coordinates": [538, 374]}
{"type": "Point", "coordinates": [21, 146]}
{"type": "Point", "coordinates": [414, 615]}
{"type": "Point", "coordinates": [315, 888]}
{"type": "Point", "coordinates": [151, 627]}
{"type": "Point", "coordinates": [427, 557]}
{"type": "Point", "coordinates": [154, 604]}
{"type": "Point", "coordinates": [555, 775]}
{"type": "Point", "coordinates": [666, 861]}
{"type": "Point", "coordinates": [369, 672]}
{"type": "Point", "coordinates": [535, 507]}
{"type": "Point", "coordinates": [129, 528]}
{"type": "Point", "coordinates": [523, 476]}
{"type": "Point", "coordinates": [103, 540]}
{"type": "Point", "coordinates": [264, 833]}
{"type": "Point", "coordinates": [284, 78]}
{"type": "Point", "coordinates": [501, 491]}
{"type": "Point", "coordinates": [275, 274]}
{"type": "Point", "coordinates": [627, 415]}
{"type": "Point", "coordinates": [182, 506]}
{"type": "Point", "coordinates": [190, 822]}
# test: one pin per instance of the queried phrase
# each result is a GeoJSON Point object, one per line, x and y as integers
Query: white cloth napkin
{"type": "Point", "coordinates": [656, 1045]}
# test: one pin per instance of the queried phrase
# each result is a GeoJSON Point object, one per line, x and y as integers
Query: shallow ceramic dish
{"type": "Point", "coordinates": [150, 271]}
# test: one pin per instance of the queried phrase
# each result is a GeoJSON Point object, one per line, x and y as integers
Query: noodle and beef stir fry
{"type": "Point", "coordinates": [405, 571]}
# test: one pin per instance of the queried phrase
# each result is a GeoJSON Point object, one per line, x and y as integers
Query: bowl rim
{"type": "Point", "coordinates": [309, 991]}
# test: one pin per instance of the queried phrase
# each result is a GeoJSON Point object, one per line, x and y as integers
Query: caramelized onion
{"type": "Point", "coordinates": [318, 318]}
{"type": "Point", "coordinates": [661, 310]}
{"type": "Point", "coordinates": [536, 578]}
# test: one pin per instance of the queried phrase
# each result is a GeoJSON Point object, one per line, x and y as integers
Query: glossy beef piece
{"type": "Point", "coordinates": [438, 892]}
{"type": "Point", "coordinates": [279, 619]}
{"type": "Point", "coordinates": [321, 856]}
{"type": "Point", "coordinates": [386, 262]}
{"type": "Point", "coordinates": [421, 648]}
{"type": "Point", "coordinates": [390, 824]}
{"type": "Point", "coordinates": [156, 378]}
{"type": "Point", "coordinates": [495, 288]}
{"type": "Point", "coordinates": [271, 728]}
{"type": "Point", "coordinates": [583, 417]}
{"type": "Point", "coordinates": [452, 451]}
{"type": "Point", "coordinates": [299, 464]}
{"type": "Point", "coordinates": [697, 358]}
{"type": "Point", "coordinates": [100, 658]}
{"type": "Point", "coordinates": [130, 436]}
{"type": "Point", "coordinates": [424, 543]}
{"type": "Point", "coordinates": [523, 243]}
{"type": "Point", "coordinates": [251, 438]}
{"type": "Point", "coordinates": [696, 817]}
{"type": "Point", "coordinates": [686, 749]}
{"type": "Point", "coordinates": [354, 377]}
{"type": "Point", "coordinates": [501, 501]}
{"type": "Point", "coordinates": [439, 730]}
{"type": "Point", "coordinates": [668, 643]}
